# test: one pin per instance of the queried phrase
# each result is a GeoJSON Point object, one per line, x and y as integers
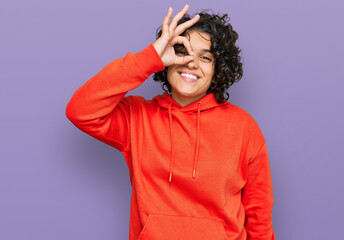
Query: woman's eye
{"type": "Point", "coordinates": [206, 58]}
{"type": "Point", "coordinates": [182, 52]}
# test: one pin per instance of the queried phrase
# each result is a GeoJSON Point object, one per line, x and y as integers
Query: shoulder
{"type": "Point", "coordinates": [247, 122]}
{"type": "Point", "coordinates": [134, 99]}
{"type": "Point", "coordinates": [138, 100]}
{"type": "Point", "coordinates": [135, 103]}
{"type": "Point", "coordinates": [240, 114]}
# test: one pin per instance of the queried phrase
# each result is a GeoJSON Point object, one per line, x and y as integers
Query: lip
{"type": "Point", "coordinates": [188, 79]}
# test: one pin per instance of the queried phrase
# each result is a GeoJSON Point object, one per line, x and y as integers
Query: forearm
{"type": "Point", "coordinates": [100, 95]}
{"type": "Point", "coordinates": [99, 108]}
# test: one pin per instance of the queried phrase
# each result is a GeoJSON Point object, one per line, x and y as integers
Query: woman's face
{"type": "Point", "coordinates": [191, 81]}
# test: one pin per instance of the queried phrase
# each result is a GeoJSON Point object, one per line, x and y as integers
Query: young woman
{"type": "Point", "coordinates": [198, 165]}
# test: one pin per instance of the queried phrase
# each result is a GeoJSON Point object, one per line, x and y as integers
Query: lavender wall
{"type": "Point", "coordinates": [58, 183]}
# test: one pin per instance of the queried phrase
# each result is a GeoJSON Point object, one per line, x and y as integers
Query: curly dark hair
{"type": "Point", "coordinates": [228, 66]}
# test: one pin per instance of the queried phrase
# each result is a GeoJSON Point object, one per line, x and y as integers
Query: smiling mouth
{"type": "Point", "coordinates": [188, 77]}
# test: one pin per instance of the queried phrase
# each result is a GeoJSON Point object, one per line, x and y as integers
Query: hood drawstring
{"type": "Point", "coordinates": [172, 143]}
{"type": "Point", "coordinates": [197, 141]}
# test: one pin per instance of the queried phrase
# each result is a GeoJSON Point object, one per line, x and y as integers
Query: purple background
{"type": "Point", "coordinates": [58, 183]}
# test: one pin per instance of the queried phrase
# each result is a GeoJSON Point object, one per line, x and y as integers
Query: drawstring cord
{"type": "Point", "coordinates": [172, 143]}
{"type": "Point", "coordinates": [197, 142]}
{"type": "Point", "coordinates": [196, 155]}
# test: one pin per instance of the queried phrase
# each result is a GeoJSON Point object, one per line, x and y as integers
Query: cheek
{"type": "Point", "coordinates": [171, 74]}
{"type": "Point", "coordinates": [210, 71]}
{"type": "Point", "coordinates": [171, 79]}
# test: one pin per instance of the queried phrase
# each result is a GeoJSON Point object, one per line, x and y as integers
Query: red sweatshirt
{"type": "Point", "coordinates": [197, 172]}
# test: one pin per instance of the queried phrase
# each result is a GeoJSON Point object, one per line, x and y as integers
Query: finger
{"type": "Point", "coordinates": [166, 20]}
{"type": "Point", "coordinates": [183, 60]}
{"type": "Point", "coordinates": [177, 18]}
{"type": "Point", "coordinates": [182, 27]}
{"type": "Point", "coordinates": [183, 40]}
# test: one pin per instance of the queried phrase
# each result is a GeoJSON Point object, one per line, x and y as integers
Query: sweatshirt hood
{"type": "Point", "coordinates": [165, 101]}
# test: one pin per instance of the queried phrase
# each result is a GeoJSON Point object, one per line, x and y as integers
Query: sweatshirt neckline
{"type": "Point", "coordinates": [208, 101]}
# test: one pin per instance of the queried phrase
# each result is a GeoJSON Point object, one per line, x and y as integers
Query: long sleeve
{"type": "Point", "coordinates": [99, 107]}
{"type": "Point", "coordinates": [257, 198]}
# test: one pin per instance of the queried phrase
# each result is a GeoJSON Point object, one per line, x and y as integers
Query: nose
{"type": "Point", "coordinates": [193, 63]}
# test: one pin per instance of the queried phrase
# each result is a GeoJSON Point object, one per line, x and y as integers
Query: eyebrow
{"type": "Point", "coordinates": [207, 50]}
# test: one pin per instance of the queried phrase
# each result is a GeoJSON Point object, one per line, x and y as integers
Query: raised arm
{"type": "Point", "coordinates": [99, 107]}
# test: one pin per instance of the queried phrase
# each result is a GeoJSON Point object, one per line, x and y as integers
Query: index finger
{"type": "Point", "coordinates": [182, 27]}
{"type": "Point", "coordinates": [178, 17]}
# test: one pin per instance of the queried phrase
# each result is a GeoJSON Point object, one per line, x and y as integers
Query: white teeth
{"type": "Point", "coordinates": [189, 76]}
